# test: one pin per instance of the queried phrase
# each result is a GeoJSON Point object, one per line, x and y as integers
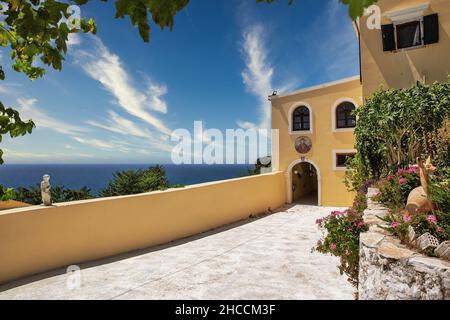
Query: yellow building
{"type": "Point", "coordinates": [316, 126]}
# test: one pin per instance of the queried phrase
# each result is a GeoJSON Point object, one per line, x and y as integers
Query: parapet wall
{"type": "Point", "coordinates": [388, 270]}
{"type": "Point", "coordinates": [38, 239]}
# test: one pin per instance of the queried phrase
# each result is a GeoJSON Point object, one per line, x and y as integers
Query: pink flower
{"type": "Point", "coordinates": [333, 247]}
{"type": "Point", "coordinates": [336, 214]}
{"type": "Point", "coordinates": [319, 221]}
{"type": "Point", "coordinates": [359, 225]}
{"type": "Point", "coordinates": [413, 169]}
{"type": "Point", "coordinates": [407, 218]}
{"type": "Point", "coordinates": [402, 181]}
{"type": "Point", "coordinates": [394, 225]}
{"type": "Point", "coordinates": [390, 178]}
{"type": "Point", "coordinates": [432, 219]}
{"type": "Point", "coordinates": [400, 172]}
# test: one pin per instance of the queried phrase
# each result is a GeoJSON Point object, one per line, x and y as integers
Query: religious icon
{"type": "Point", "coordinates": [303, 145]}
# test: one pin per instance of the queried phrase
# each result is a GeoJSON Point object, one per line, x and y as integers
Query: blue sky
{"type": "Point", "coordinates": [118, 99]}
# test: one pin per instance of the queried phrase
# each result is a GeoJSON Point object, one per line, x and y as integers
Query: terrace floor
{"type": "Point", "coordinates": [265, 258]}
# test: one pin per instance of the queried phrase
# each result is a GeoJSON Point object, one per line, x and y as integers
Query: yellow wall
{"type": "Point", "coordinates": [322, 100]}
{"type": "Point", "coordinates": [401, 69]}
{"type": "Point", "coordinates": [37, 239]}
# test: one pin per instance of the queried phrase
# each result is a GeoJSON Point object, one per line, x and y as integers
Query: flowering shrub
{"type": "Point", "coordinates": [341, 237]}
{"type": "Point", "coordinates": [436, 223]}
{"type": "Point", "coordinates": [395, 188]}
{"type": "Point", "coordinates": [394, 191]}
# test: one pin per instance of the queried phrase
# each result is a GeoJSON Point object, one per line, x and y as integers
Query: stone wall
{"type": "Point", "coordinates": [389, 270]}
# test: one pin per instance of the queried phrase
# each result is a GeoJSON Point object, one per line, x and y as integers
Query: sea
{"type": "Point", "coordinates": [97, 176]}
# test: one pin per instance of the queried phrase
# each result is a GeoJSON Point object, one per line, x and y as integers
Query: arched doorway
{"type": "Point", "coordinates": [303, 179]}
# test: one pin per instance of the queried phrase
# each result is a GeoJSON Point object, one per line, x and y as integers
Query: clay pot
{"type": "Point", "coordinates": [418, 201]}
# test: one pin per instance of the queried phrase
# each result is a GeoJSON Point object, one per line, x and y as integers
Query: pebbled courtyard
{"type": "Point", "coordinates": [264, 258]}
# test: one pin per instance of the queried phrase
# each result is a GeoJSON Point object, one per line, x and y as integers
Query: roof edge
{"type": "Point", "coordinates": [317, 87]}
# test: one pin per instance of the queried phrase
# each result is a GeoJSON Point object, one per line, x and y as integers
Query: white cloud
{"type": "Point", "coordinates": [73, 40]}
{"type": "Point", "coordinates": [100, 144]}
{"type": "Point", "coordinates": [29, 110]}
{"type": "Point", "coordinates": [246, 125]}
{"type": "Point", "coordinates": [156, 92]}
{"type": "Point", "coordinates": [258, 73]}
{"type": "Point", "coordinates": [118, 124]}
{"type": "Point", "coordinates": [106, 67]}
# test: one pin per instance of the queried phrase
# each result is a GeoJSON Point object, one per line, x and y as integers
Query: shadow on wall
{"type": "Point", "coordinates": [38, 239]}
{"type": "Point", "coordinates": [403, 68]}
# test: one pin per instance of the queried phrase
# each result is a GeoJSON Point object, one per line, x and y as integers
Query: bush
{"type": "Point", "coordinates": [394, 189]}
{"type": "Point", "coordinates": [342, 237]}
{"type": "Point", "coordinates": [440, 189]}
{"type": "Point", "coordinates": [397, 126]}
{"type": "Point", "coordinates": [32, 195]}
{"type": "Point", "coordinates": [6, 193]}
{"type": "Point", "coordinates": [436, 223]}
{"type": "Point", "coordinates": [136, 182]}
{"type": "Point", "coordinates": [394, 195]}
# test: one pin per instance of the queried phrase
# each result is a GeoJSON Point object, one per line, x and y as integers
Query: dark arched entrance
{"type": "Point", "coordinates": [304, 184]}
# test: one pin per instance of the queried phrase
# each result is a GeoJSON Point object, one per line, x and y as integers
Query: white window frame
{"type": "Point", "coordinates": [340, 151]}
{"type": "Point", "coordinates": [333, 114]}
{"type": "Point", "coordinates": [408, 15]}
{"type": "Point", "coordinates": [311, 119]}
{"type": "Point", "coordinates": [422, 30]}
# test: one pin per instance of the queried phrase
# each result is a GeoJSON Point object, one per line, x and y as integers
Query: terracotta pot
{"type": "Point", "coordinates": [418, 201]}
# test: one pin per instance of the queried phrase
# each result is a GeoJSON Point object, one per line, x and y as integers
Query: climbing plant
{"type": "Point", "coordinates": [397, 126]}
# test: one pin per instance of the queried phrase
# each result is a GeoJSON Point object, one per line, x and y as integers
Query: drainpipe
{"type": "Point", "coordinates": [359, 49]}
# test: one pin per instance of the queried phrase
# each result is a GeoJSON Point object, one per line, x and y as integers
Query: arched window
{"type": "Point", "coordinates": [301, 119]}
{"type": "Point", "coordinates": [344, 115]}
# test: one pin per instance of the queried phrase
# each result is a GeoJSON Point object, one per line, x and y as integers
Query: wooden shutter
{"type": "Point", "coordinates": [387, 33]}
{"type": "Point", "coordinates": [431, 29]}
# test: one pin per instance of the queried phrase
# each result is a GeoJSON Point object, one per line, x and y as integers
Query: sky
{"type": "Point", "coordinates": [118, 99]}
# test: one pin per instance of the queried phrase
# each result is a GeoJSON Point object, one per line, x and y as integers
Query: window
{"type": "Point", "coordinates": [344, 116]}
{"type": "Point", "coordinates": [301, 119]}
{"type": "Point", "coordinates": [409, 35]}
{"type": "Point", "coordinates": [342, 159]}
{"type": "Point", "coordinates": [419, 31]}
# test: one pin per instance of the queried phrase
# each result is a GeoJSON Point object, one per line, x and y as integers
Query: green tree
{"type": "Point", "coordinates": [35, 29]}
{"type": "Point", "coordinates": [6, 193]}
{"type": "Point", "coordinates": [32, 195]}
{"type": "Point", "coordinates": [136, 181]}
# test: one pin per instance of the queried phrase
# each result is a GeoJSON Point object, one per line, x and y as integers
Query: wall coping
{"type": "Point", "coordinates": [171, 190]}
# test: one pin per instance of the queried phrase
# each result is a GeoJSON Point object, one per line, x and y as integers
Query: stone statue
{"type": "Point", "coordinates": [419, 198]}
{"type": "Point", "coordinates": [45, 190]}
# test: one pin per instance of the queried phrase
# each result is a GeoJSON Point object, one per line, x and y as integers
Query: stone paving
{"type": "Point", "coordinates": [265, 258]}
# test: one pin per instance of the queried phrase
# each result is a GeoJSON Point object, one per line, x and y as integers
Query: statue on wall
{"type": "Point", "coordinates": [419, 198]}
{"type": "Point", "coordinates": [45, 190]}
